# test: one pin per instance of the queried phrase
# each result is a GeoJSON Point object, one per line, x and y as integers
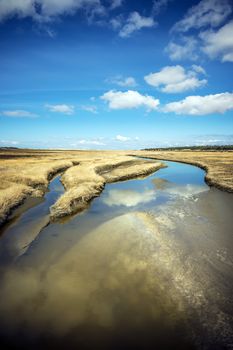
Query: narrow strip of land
{"type": "Point", "coordinates": [26, 173]}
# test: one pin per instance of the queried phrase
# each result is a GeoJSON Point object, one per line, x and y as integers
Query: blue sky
{"type": "Point", "coordinates": [117, 74]}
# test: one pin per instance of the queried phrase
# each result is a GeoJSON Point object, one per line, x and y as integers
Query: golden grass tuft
{"type": "Point", "coordinates": [26, 173]}
{"type": "Point", "coordinates": [87, 180]}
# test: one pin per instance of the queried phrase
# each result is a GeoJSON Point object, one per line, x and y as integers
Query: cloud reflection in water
{"type": "Point", "coordinates": [128, 198]}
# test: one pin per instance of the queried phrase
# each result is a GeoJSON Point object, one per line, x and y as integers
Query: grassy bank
{"type": "Point", "coordinates": [218, 165]}
{"type": "Point", "coordinates": [26, 173]}
{"type": "Point", "coordinates": [87, 180]}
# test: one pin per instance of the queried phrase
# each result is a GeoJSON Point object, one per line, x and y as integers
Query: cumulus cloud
{"type": "Point", "coordinates": [184, 48]}
{"type": "Point", "coordinates": [65, 109]}
{"type": "Point", "coordinates": [206, 13]}
{"type": "Point", "coordinates": [88, 142]}
{"type": "Point", "coordinates": [115, 4]}
{"type": "Point", "coordinates": [129, 81]}
{"type": "Point", "coordinates": [47, 10]}
{"type": "Point", "coordinates": [219, 43]}
{"type": "Point", "coordinates": [116, 22]}
{"type": "Point", "coordinates": [129, 99]}
{"type": "Point", "coordinates": [121, 81]}
{"type": "Point", "coordinates": [198, 69]}
{"type": "Point", "coordinates": [159, 6]}
{"type": "Point", "coordinates": [173, 79]}
{"type": "Point", "coordinates": [202, 105]}
{"type": "Point", "coordinates": [12, 8]}
{"type": "Point", "coordinates": [206, 16]}
{"type": "Point", "coordinates": [122, 138]}
{"type": "Point", "coordinates": [91, 109]}
{"type": "Point", "coordinates": [18, 114]}
{"type": "Point", "coordinates": [134, 23]}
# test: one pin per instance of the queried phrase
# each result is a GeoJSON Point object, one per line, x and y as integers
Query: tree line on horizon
{"type": "Point", "coordinates": [193, 148]}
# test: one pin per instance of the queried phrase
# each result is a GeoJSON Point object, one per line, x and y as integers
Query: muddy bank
{"type": "Point", "coordinates": [87, 180]}
{"type": "Point", "coordinates": [218, 165]}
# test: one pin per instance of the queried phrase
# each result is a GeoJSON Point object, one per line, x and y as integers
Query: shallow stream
{"type": "Point", "coordinates": [148, 266]}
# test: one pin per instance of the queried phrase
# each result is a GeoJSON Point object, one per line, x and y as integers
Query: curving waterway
{"type": "Point", "coordinates": [148, 266]}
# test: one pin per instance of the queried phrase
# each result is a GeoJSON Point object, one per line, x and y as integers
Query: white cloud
{"type": "Point", "coordinates": [206, 13]}
{"type": "Point", "coordinates": [228, 57]}
{"type": "Point", "coordinates": [198, 69]}
{"type": "Point", "coordinates": [21, 9]}
{"type": "Point", "coordinates": [219, 43]}
{"type": "Point", "coordinates": [125, 82]}
{"type": "Point", "coordinates": [159, 5]}
{"type": "Point", "coordinates": [7, 143]}
{"type": "Point", "coordinates": [47, 10]}
{"type": "Point", "coordinates": [122, 138]}
{"type": "Point", "coordinates": [116, 22]}
{"type": "Point", "coordinates": [216, 139]}
{"type": "Point", "coordinates": [185, 49]}
{"type": "Point", "coordinates": [88, 142]}
{"type": "Point", "coordinates": [18, 114]}
{"type": "Point", "coordinates": [65, 109]}
{"type": "Point", "coordinates": [134, 23]}
{"type": "Point", "coordinates": [129, 99]}
{"type": "Point", "coordinates": [173, 79]}
{"type": "Point", "coordinates": [206, 16]}
{"type": "Point", "coordinates": [129, 81]}
{"type": "Point", "coordinates": [91, 109]}
{"type": "Point", "coordinates": [115, 4]}
{"type": "Point", "coordinates": [202, 105]}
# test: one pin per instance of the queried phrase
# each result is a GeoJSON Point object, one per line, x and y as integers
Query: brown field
{"type": "Point", "coordinates": [26, 173]}
{"type": "Point", "coordinates": [218, 165]}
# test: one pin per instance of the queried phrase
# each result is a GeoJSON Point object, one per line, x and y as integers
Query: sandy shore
{"type": "Point", "coordinates": [26, 173]}
{"type": "Point", "coordinates": [218, 165]}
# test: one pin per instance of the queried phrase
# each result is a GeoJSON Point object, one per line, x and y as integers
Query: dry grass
{"type": "Point", "coordinates": [87, 180]}
{"type": "Point", "coordinates": [218, 165]}
{"type": "Point", "coordinates": [27, 173]}
{"type": "Point", "coordinates": [24, 173]}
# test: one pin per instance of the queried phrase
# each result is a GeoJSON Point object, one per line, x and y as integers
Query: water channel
{"type": "Point", "coordinates": [148, 266]}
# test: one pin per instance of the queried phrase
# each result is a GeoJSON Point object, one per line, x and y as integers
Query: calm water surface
{"type": "Point", "coordinates": [148, 266]}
